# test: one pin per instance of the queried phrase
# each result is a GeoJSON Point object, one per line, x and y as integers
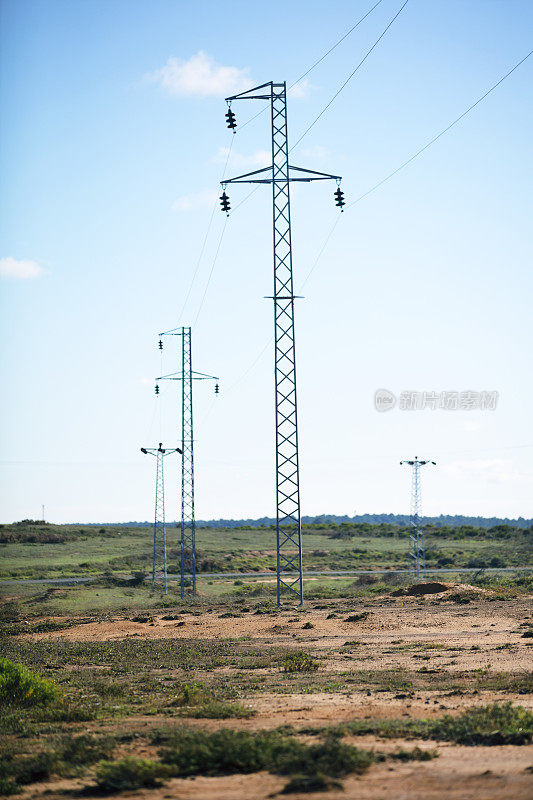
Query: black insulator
{"type": "Point", "coordinates": [224, 202]}
{"type": "Point", "coordinates": [230, 119]}
{"type": "Point", "coordinates": [339, 198]}
{"type": "Point", "coordinates": [157, 388]}
{"type": "Point", "coordinates": [161, 344]}
{"type": "Point", "coordinates": [217, 388]}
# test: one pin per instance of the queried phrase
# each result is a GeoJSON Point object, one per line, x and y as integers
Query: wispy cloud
{"type": "Point", "coordinates": [493, 470]}
{"type": "Point", "coordinates": [192, 202]}
{"type": "Point", "coordinates": [18, 269]}
{"type": "Point", "coordinates": [260, 158]}
{"type": "Point", "coordinates": [201, 76]}
{"type": "Point", "coordinates": [301, 89]}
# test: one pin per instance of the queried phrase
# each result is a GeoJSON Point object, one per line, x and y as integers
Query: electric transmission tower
{"type": "Point", "coordinates": [159, 561]}
{"type": "Point", "coordinates": [280, 174]}
{"type": "Point", "coordinates": [188, 523]}
{"type": "Point", "coordinates": [417, 556]}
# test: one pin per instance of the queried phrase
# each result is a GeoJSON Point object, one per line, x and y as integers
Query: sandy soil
{"type": "Point", "coordinates": [399, 633]}
{"type": "Point", "coordinates": [395, 633]}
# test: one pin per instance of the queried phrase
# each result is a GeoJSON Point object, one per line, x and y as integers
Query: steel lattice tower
{"type": "Point", "coordinates": [280, 174]}
{"type": "Point", "coordinates": [188, 522]}
{"type": "Point", "coordinates": [159, 559]}
{"type": "Point", "coordinates": [417, 555]}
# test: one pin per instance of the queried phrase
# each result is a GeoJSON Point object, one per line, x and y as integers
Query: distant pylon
{"type": "Point", "coordinates": [417, 555]}
{"type": "Point", "coordinates": [188, 523]}
{"type": "Point", "coordinates": [159, 560]}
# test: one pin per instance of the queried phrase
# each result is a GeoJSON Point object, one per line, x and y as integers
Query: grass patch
{"type": "Point", "coordinates": [299, 662]}
{"type": "Point", "coordinates": [69, 757]}
{"type": "Point", "coordinates": [218, 709]}
{"type": "Point", "coordinates": [498, 723]}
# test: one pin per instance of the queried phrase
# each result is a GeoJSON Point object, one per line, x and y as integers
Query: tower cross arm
{"type": "Point", "coordinates": [250, 175]}
{"type": "Point", "coordinates": [249, 94]}
{"type": "Point", "coordinates": [312, 174]}
{"type": "Point", "coordinates": [196, 376]}
{"type": "Point", "coordinates": [303, 175]}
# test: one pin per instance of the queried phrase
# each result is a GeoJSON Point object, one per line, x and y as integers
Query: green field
{"type": "Point", "coordinates": [40, 550]}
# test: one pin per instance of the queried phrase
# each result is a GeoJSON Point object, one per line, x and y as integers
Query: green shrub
{"type": "Point", "coordinates": [30, 769]}
{"type": "Point", "coordinates": [224, 752]}
{"type": "Point", "coordinates": [86, 749]}
{"type": "Point", "coordinates": [499, 723]}
{"type": "Point", "coordinates": [416, 754]}
{"type": "Point", "coordinates": [228, 752]}
{"type": "Point", "coordinates": [19, 686]}
{"type": "Point", "coordinates": [331, 757]}
{"type": "Point", "coordinates": [130, 773]}
{"type": "Point", "coordinates": [299, 661]}
{"type": "Point", "coordinates": [9, 786]}
{"type": "Point", "coordinates": [310, 783]}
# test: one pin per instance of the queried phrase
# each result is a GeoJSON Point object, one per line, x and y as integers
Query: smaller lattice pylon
{"type": "Point", "coordinates": [417, 554]}
{"type": "Point", "coordinates": [159, 558]}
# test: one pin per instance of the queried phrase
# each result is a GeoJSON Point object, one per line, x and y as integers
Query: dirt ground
{"type": "Point", "coordinates": [402, 633]}
{"type": "Point", "coordinates": [390, 633]}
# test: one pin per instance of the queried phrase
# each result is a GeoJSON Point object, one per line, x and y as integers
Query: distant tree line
{"type": "Point", "coordinates": [442, 521]}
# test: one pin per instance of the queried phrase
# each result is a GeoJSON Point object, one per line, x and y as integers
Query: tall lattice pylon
{"type": "Point", "coordinates": [280, 174]}
{"type": "Point", "coordinates": [159, 559]}
{"type": "Point", "coordinates": [188, 522]}
{"type": "Point", "coordinates": [417, 554]}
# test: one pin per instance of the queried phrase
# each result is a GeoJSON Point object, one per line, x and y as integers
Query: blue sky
{"type": "Point", "coordinates": [113, 142]}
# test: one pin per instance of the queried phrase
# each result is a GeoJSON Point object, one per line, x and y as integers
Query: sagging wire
{"type": "Point", "coordinates": [204, 243]}
{"type": "Point", "coordinates": [211, 272]}
{"type": "Point", "coordinates": [350, 76]}
{"type": "Point", "coordinates": [319, 61]}
{"type": "Point", "coordinates": [438, 136]}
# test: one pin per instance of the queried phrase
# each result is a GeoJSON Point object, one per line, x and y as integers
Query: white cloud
{"type": "Point", "coordinates": [201, 76]}
{"type": "Point", "coordinates": [316, 152]}
{"type": "Point", "coordinates": [300, 90]}
{"type": "Point", "coordinates": [15, 268]}
{"type": "Point", "coordinates": [261, 158]}
{"type": "Point", "coordinates": [192, 202]}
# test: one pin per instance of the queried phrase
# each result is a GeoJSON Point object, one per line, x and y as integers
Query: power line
{"type": "Point", "coordinates": [319, 61]}
{"type": "Point", "coordinates": [319, 256]}
{"type": "Point", "coordinates": [335, 45]}
{"type": "Point", "coordinates": [438, 136]}
{"type": "Point", "coordinates": [380, 183]}
{"type": "Point", "coordinates": [211, 271]}
{"type": "Point", "coordinates": [312, 67]}
{"type": "Point", "coordinates": [205, 240]}
{"type": "Point", "coordinates": [348, 79]}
